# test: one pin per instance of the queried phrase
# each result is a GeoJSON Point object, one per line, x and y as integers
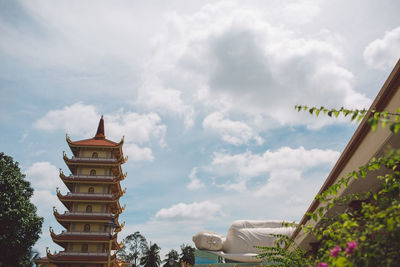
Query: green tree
{"type": "Point", "coordinates": [171, 258]}
{"type": "Point", "coordinates": [151, 257]}
{"type": "Point", "coordinates": [20, 226]}
{"type": "Point", "coordinates": [187, 254]}
{"type": "Point", "coordinates": [133, 248]}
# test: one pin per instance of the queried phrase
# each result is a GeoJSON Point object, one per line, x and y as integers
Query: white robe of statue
{"type": "Point", "coordinates": [242, 236]}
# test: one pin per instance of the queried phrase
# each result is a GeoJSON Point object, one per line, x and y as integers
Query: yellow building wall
{"type": "Point", "coordinates": [99, 171]}
{"type": "Point", "coordinates": [94, 227]}
{"type": "Point", "coordinates": [81, 207]}
{"type": "Point", "coordinates": [98, 189]}
{"type": "Point", "coordinates": [89, 153]}
{"type": "Point", "coordinates": [77, 247]}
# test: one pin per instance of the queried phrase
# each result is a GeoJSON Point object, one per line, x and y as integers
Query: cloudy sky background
{"type": "Point", "coordinates": [203, 92]}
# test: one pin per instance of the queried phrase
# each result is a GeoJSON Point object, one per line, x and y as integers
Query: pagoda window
{"type": "Point", "coordinates": [93, 172]}
{"type": "Point", "coordinates": [86, 228]}
{"type": "Point", "coordinates": [91, 190]}
{"type": "Point", "coordinates": [95, 155]}
{"type": "Point", "coordinates": [84, 248]}
{"type": "Point", "coordinates": [89, 208]}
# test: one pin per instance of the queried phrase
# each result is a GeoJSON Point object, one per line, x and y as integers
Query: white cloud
{"type": "Point", "coordinates": [277, 169]}
{"type": "Point", "coordinates": [137, 153]}
{"type": "Point", "coordinates": [76, 34]}
{"type": "Point", "coordinates": [138, 128]}
{"type": "Point", "coordinates": [383, 53]}
{"type": "Point", "coordinates": [301, 12]}
{"type": "Point", "coordinates": [193, 211]}
{"type": "Point", "coordinates": [44, 178]}
{"type": "Point", "coordinates": [233, 132]}
{"type": "Point", "coordinates": [195, 182]}
{"type": "Point", "coordinates": [81, 120]}
{"type": "Point", "coordinates": [43, 175]}
{"type": "Point", "coordinates": [230, 59]}
{"type": "Point", "coordinates": [155, 97]}
{"type": "Point", "coordinates": [77, 119]}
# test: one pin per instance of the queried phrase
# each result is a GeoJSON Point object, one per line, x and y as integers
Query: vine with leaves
{"type": "Point", "coordinates": [377, 117]}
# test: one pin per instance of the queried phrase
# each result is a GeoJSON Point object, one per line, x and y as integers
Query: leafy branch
{"type": "Point", "coordinates": [384, 117]}
{"type": "Point", "coordinates": [390, 161]}
{"type": "Point", "coordinates": [284, 253]}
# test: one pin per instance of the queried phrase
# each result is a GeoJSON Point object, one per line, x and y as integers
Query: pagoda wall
{"type": "Point", "coordinates": [94, 227]}
{"type": "Point", "coordinates": [92, 247]}
{"type": "Point", "coordinates": [81, 207]}
{"type": "Point", "coordinates": [99, 170]}
{"type": "Point", "coordinates": [84, 188]}
{"type": "Point", "coordinates": [100, 153]}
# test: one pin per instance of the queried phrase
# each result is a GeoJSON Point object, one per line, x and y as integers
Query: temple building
{"type": "Point", "coordinates": [91, 220]}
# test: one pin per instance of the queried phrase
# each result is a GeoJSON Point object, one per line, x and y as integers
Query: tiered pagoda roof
{"type": "Point", "coordinates": [105, 198]}
{"type": "Point", "coordinates": [78, 257]}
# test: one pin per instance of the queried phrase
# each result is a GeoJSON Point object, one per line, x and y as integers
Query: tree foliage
{"type": "Point", "coordinates": [133, 248]}
{"type": "Point", "coordinates": [187, 254]}
{"type": "Point", "coordinates": [171, 257]}
{"type": "Point", "coordinates": [366, 231]}
{"type": "Point", "coordinates": [20, 226]}
{"type": "Point", "coordinates": [151, 256]}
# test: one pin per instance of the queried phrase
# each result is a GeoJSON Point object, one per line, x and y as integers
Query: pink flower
{"type": "Point", "coordinates": [351, 246]}
{"type": "Point", "coordinates": [322, 264]}
{"type": "Point", "coordinates": [335, 251]}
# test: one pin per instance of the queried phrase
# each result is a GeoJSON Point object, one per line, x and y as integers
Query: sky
{"type": "Point", "coordinates": [204, 93]}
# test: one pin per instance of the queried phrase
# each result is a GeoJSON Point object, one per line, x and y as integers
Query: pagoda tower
{"type": "Point", "coordinates": [91, 220]}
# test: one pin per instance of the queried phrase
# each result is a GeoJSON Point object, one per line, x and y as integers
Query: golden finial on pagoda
{"type": "Point", "coordinates": [55, 210]}
{"type": "Point", "coordinates": [67, 138]}
{"type": "Point", "coordinates": [51, 230]}
{"type": "Point", "coordinates": [123, 208]}
{"type": "Point", "coordinates": [123, 192]}
{"type": "Point", "coordinates": [61, 174]}
{"type": "Point", "coordinates": [122, 140]}
{"type": "Point", "coordinates": [123, 176]}
{"type": "Point", "coordinates": [126, 159]}
{"type": "Point", "coordinates": [47, 250]}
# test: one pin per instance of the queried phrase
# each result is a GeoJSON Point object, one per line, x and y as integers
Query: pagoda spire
{"type": "Point", "coordinates": [100, 130]}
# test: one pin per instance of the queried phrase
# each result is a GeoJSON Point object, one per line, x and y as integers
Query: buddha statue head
{"type": "Point", "coordinates": [208, 240]}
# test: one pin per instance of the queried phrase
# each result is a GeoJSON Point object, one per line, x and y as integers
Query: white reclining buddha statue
{"type": "Point", "coordinates": [241, 239]}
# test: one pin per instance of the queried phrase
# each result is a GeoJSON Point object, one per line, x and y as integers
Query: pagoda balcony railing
{"type": "Point", "coordinates": [88, 213]}
{"type": "Point", "coordinates": [80, 176]}
{"type": "Point", "coordinates": [72, 253]}
{"type": "Point", "coordinates": [89, 195]}
{"type": "Point", "coordinates": [85, 233]}
{"type": "Point", "coordinates": [93, 159]}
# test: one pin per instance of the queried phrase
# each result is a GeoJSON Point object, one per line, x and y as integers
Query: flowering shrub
{"type": "Point", "coordinates": [335, 251]}
{"type": "Point", "coordinates": [351, 246]}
